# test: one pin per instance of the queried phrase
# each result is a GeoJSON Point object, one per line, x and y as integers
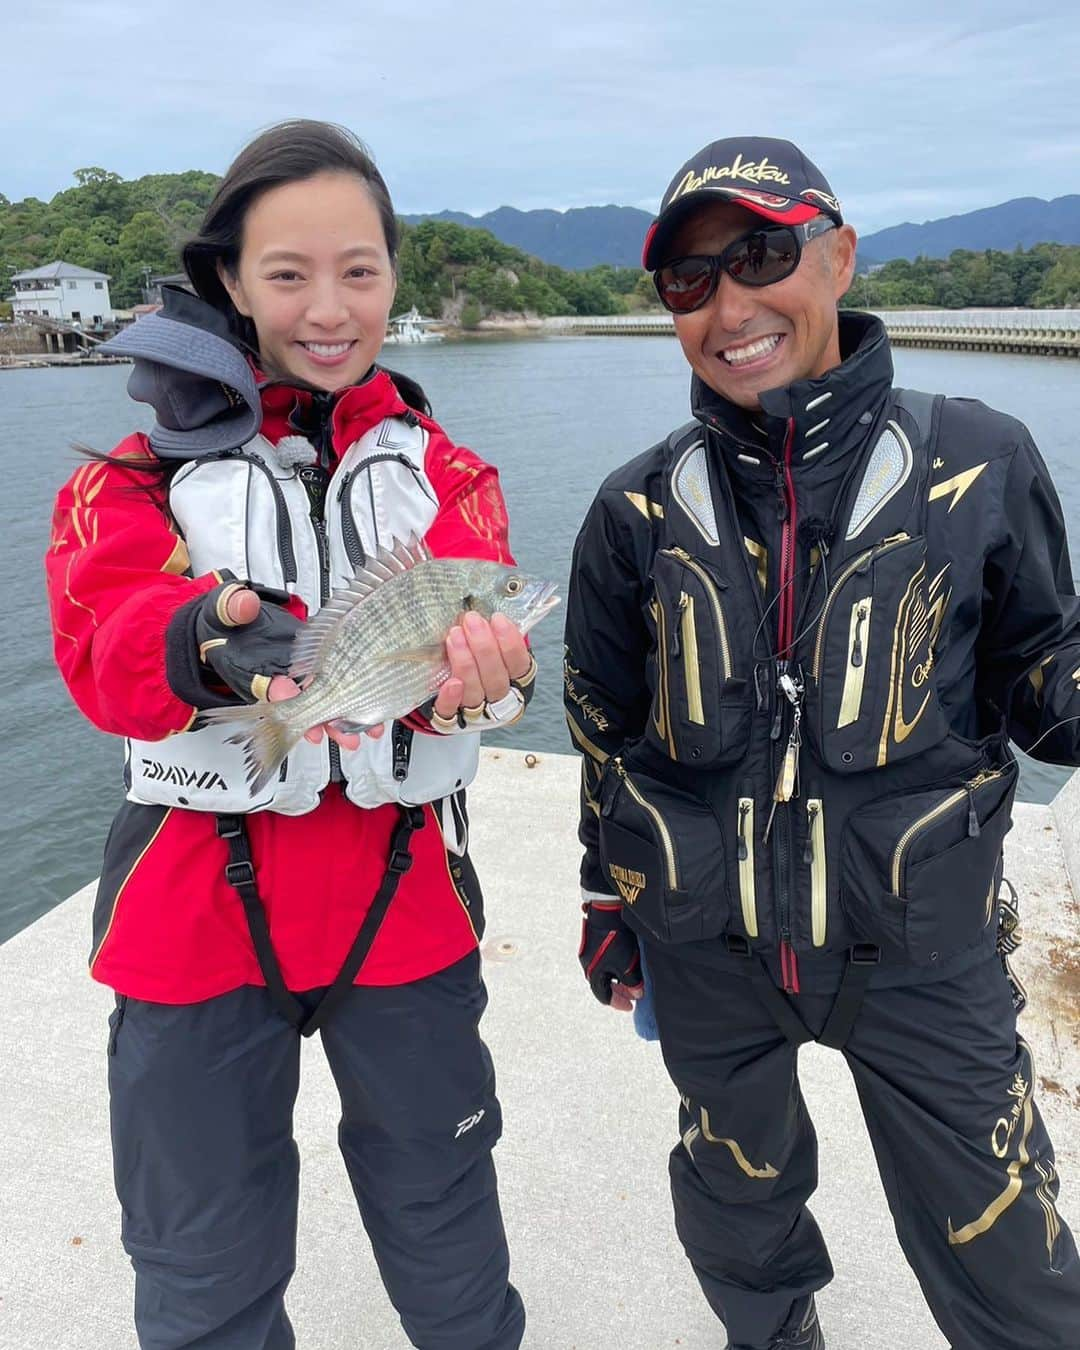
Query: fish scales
{"type": "Point", "coordinates": [377, 649]}
{"type": "Point", "coordinates": [360, 680]}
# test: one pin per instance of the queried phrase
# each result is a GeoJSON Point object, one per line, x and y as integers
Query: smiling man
{"type": "Point", "coordinates": [800, 634]}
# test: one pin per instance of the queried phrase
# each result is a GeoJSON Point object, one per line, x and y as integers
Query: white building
{"type": "Point", "coordinates": [60, 290]}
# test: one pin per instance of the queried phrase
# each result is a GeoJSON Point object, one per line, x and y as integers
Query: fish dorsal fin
{"type": "Point", "coordinates": [314, 639]}
{"type": "Point", "coordinates": [401, 557]}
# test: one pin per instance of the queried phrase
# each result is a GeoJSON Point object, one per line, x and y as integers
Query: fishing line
{"type": "Point", "coordinates": [1050, 730]}
{"type": "Point", "coordinates": [808, 572]}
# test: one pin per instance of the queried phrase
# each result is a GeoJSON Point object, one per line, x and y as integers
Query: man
{"type": "Point", "coordinates": [800, 633]}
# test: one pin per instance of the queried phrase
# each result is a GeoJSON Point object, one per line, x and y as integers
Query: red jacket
{"type": "Point", "coordinates": [168, 927]}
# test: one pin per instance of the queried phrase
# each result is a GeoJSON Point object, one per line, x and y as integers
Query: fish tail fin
{"type": "Point", "coordinates": [264, 737]}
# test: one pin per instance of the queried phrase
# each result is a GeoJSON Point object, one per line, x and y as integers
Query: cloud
{"type": "Point", "coordinates": [472, 107]}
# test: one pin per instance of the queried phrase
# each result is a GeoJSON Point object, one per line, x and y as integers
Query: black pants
{"type": "Point", "coordinates": [946, 1089]}
{"type": "Point", "coordinates": [207, 1171]}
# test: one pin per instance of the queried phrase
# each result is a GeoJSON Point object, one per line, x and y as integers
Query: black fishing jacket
{"type": "Point", "coordinates": [797, 646]}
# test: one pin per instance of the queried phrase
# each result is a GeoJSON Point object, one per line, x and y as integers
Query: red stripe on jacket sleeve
{"type": "Point", "coordinates": [114, 575]}
{"type": "Point", "coordinates": [471, 521]}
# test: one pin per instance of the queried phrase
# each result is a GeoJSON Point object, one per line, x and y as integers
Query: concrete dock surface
{"type": "Point", "coordinates": [590, 1117]}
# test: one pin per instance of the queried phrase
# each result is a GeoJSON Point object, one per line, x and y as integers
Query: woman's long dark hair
{"type": "Point", "coordinates": [286, 153]}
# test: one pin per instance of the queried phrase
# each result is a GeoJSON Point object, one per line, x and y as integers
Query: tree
{"type": "Point", "coordinates": [103, 191]}
{"type": "Point", "coordinates": [1060, 287]}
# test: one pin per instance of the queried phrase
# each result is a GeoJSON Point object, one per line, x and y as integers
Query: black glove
{"type": "Point", "coordinates": [609, 950]}
{"type": "Point", "coordinates": [203, 647]}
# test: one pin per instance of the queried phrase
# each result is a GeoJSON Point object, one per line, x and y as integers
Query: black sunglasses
{"type": "Point", "coordinates": [758, 258]}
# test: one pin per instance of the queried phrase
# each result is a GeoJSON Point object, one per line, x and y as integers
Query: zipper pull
{"type": "Point", "coordinates": [346, 480]}
{"type": "Point", "coordinates": [777, 726]}
{"type": "Point", "coordinates": [674, 646]}
{"type": "Point", "coordinates": [856, 649]}
{"type": "Point", "coordinates": [785, 779]}
{"type": "Point", "coordinates": [973, 819]}
{"type": "Point", "coordinates": [808, 851]}
{"type": "Point", "coordinates": [744, 852]}
{"type": "Point", "coordinates": [759, 693]}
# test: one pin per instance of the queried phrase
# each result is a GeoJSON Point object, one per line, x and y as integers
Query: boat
{"type": "Point", "coordinates": [411, 327]}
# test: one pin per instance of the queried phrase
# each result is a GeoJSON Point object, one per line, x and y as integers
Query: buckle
{"type": "Point", "coordinates": [864, 954]}
{"type": "Point", "coordinates": [400, 861]}
{"type": "Point", "coordinates": [228, 827]}
{"type": "Point", "coordinates": [240, 874]}
{"type": "Point", "coordinates": [736, 944]}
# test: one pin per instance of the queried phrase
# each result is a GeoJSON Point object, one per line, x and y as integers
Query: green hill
{"type": "Point", "coordinates": [134, 229]}
{"type": "Point", "coordinates": [1046, 276]}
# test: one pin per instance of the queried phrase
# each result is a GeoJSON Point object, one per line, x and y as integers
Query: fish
{"type": "Point", "coordinates": [377, 649]}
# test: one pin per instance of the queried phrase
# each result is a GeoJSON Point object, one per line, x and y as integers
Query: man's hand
{"type": "Point", "coordinates": [609, 955]}
{"type": "Point", "coordinates": [484, 657]}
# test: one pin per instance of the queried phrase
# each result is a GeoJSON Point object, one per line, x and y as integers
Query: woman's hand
{"type": "Point", "coordinates": [242, 607]}
{"type": "Point", "coordinates": [484, 657]}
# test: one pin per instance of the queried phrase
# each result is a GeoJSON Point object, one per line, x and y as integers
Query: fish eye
{"type": "Point", "coordinates": [514, 586]}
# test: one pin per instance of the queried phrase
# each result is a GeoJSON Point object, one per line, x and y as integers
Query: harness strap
{"type": "Point", "coordinates": [240, 874]}
{"type": "Point", "coordinates": [776, 1002]}
{"type": "Point", "coordinates": [863, 959]}
{"type": "Point", "coordinates": [412, 818]}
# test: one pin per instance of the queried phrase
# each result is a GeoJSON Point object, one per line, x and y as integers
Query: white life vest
{"type": "Point", "coordinates": [248, 511]}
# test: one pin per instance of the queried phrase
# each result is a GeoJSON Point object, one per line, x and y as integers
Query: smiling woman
{"type": "Point", "coordinates": [316, 278]}
{"type": "Point", "coordinates": [234, 914]}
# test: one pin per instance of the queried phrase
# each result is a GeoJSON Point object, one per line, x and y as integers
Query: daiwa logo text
{"type": "Point", "coordinates": [156, 772]}
{"type": "Point", "coordinates": [466, 1125]}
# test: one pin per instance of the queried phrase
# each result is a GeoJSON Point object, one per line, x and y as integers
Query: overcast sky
{"type": "Point", "coordinates": [913, 110]}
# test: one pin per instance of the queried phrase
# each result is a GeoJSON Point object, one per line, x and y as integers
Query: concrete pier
{"type": "Point", "coordinates": [1034, 332]}
{"type": "Point", "coordinates": [590, 1117]}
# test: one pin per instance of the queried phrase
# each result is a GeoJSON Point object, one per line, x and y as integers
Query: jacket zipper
{"type": "Point", "coordinates": [691, 660]}
{"type": "Point", "coordinates": [660, 618]}
{"type": "Point", "coordinates": [284, 525]}
{"type": "Point", "coordinates": [785, 486]}
{"type": "Point", "coordinates": [862, 561]}
{"type": "Point", "coordinates": [712, 590]}
{"type": "Point", "coordinates": [924, 821]}
{"type": "Point", "coordinates": [662, 830]}
{"type": "Point", "coordinates": [354, 548]}
{"type": "Point", "coordinates": [323, 439]}
{"type": "Point", "coordinates": [747, 891]}
{"type": "Point", "coordinates": [855, 674]}
{"type": "Point", "coordinates": [814, 856]}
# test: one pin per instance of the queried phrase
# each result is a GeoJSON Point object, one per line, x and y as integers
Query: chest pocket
{"type": "Point", "coordinates": [871, 695]}
{"type": "Point", "coordinates": [699, 675]}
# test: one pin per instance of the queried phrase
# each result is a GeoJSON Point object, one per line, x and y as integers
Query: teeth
{"type": "Point", "coordinates": [737, 356]}
{"type": "Point", "coordinates": [327, 348]}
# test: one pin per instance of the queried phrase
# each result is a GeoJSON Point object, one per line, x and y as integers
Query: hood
{"type": "Point", "coordinates": [195, 374]}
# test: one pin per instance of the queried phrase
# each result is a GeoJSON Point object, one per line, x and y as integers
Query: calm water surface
{"type": "Point", "coordinates": [556, 415]}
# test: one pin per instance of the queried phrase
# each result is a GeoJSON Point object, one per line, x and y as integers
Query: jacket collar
{"type": "Point", "coordinates": [297, 410]}
{"type": "Point", "coordinates": [830, 414]}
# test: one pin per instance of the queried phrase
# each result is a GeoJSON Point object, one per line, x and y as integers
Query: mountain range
{"type": "Point", "coordinates": [586, 236]}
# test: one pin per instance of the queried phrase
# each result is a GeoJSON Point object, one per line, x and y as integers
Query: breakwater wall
{"type": "Point", "coordinates": [1032, 332]}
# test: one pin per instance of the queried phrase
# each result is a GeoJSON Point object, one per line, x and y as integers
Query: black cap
{"type": "Point", "coordinates": [772, 178]}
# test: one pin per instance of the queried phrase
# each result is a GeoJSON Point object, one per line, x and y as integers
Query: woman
{"type": "Point", "coordinates": [343, 898]}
